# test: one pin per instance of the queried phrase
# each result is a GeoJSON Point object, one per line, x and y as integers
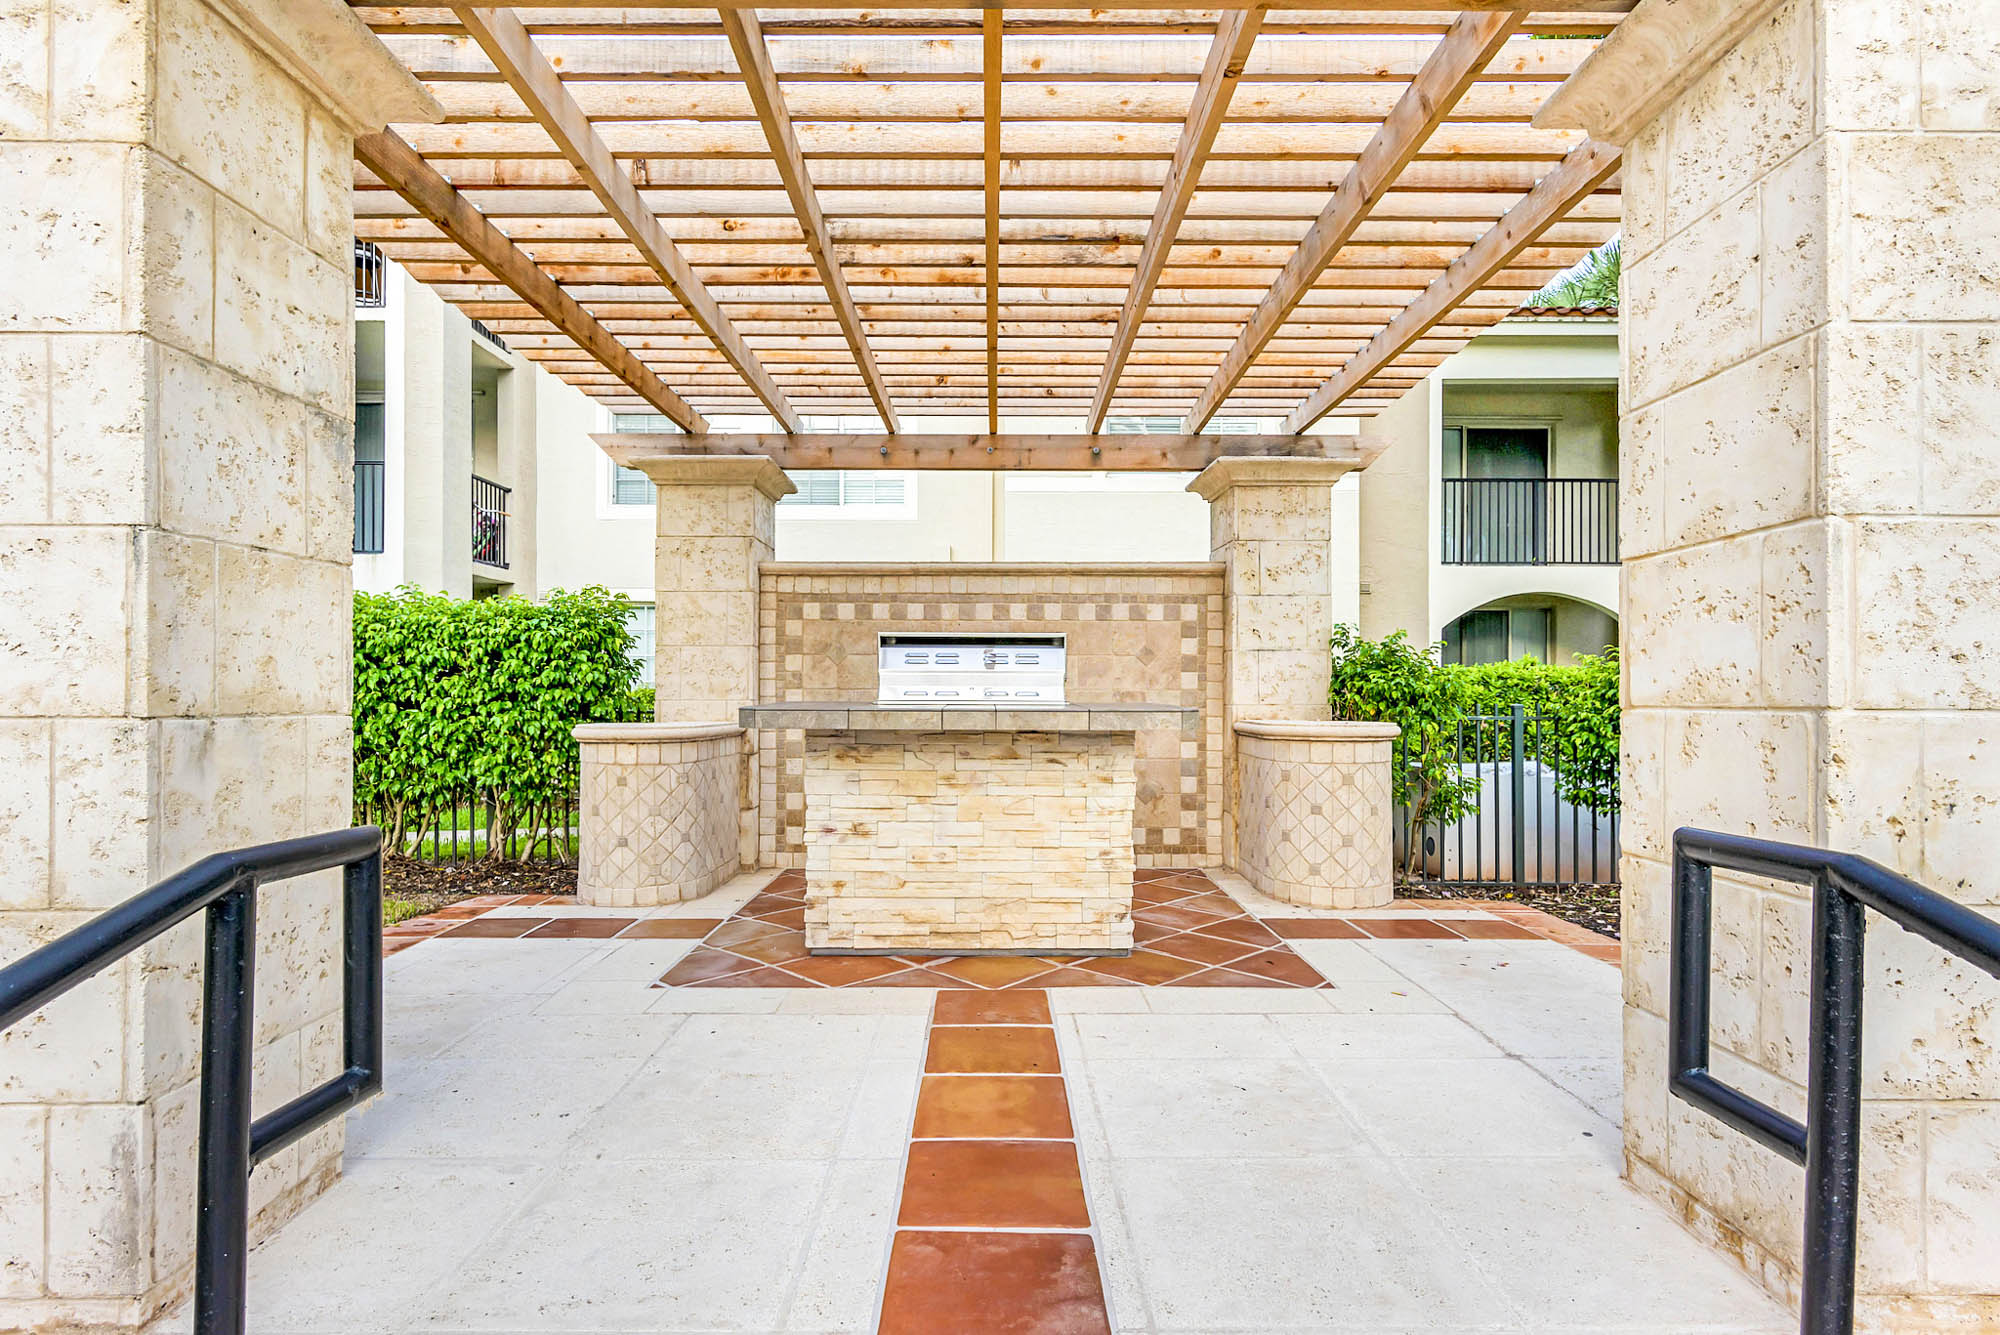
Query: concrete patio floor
{"type": "Point", "coordinates": [1430, 1144]}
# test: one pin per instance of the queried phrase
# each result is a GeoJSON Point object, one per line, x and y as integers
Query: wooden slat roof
{"type": "Point", "coordinates": [821, 239]}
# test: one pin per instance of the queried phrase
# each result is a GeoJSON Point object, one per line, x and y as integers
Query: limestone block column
{"type": "Point", "coordinates": [1271, 526]}
{"type": "Point", "coordinates": [1811, 532]}
{"type": "Point", "coordinates": [176, 446]}
{"type": "Point", "coordinates": [716, 525]}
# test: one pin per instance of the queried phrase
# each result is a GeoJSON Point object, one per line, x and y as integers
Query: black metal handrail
{"type": "Point", "coordinates": [489, 521]}
{"type": "Point", "coordinates": [1536, 521]}
{"type": "Point", "coordinates": [225, 885]}
{"type": "Point", "coordinates": [368, 286]}
{"type": "Point", "coordinates": [1828, 1143]}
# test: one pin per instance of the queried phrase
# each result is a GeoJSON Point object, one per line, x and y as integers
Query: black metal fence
{"type": "Point", "coordinates": [225, 887]}
{"type": "Point", "coordinates": [1536, 521]}
{"type": "Point", "coordinates": [1539, 809]}
{"type": "Point", "coordinates": [1828, 1144]}
{"type": "Point", "coordinates": [368, 288]}
{"type": "Point", "coordinates": [489, 521]}
{"type": "Point", "coordinates": [464, 826]}
{"type": "Point", "coordinates": [370, 505]}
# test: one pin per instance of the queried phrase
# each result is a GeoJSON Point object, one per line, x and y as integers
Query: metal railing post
{"type": "Point", "coordinates": [1517, 719]}
{"type": "Point", "coordinates": [222, 1242]}
{"type": "Point", "coordinates": [1833, 1126]}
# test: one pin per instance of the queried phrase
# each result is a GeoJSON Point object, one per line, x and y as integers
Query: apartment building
{"type": "Point", "coordinates": [1489, 523]}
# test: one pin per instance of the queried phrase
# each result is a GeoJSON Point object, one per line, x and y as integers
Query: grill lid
{"type": "Point", "coordinates": [971, 669]}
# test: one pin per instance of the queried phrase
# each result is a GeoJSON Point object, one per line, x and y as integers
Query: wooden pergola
{"type": "Point", "coordinates": [900, 212]}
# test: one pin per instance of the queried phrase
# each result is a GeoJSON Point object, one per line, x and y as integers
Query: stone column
{"type": "Point", "coordinates": [716, 525]}
{"type": "Point", "coordinates": [1811, 531]}
{"type": "Point", "coordinates": [176, 443]}
{"type": "Point", "coordinates": [1270, 525]}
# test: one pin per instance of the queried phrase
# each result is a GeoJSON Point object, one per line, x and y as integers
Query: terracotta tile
{"type": "Point", "coordinates": [1247, 930]}
{"type": "Point", "coordinates": [1610, 952]}
{"type": "Point", "coordinates": [1141, 967]}
{"type": "Point", "coordinates": [492, 927]}
{"type": "Point", "coordinates": [963, 1006]}
{"type": "Point", "coordinates": [993, 1284]}
{"type": "Point", "coordinates": [1153, 896]}
{"type": "Point", "coordinates": [769, 903]}
{"type": "Point", "coordinates": [1143, 932]}
{"type": "Point", "coordinates": [1201, 949]}
{"type": "Point", "coordinates": [1492, 929]}
{"type": "Point", "coordinates": [794, 918]}
{"type": "Point", "coordinates": [1213, 902]}
{"type": "Point", "coordinates": [912, 978]}
{"type": "Point", "coordinates": [394, 947]}
{"type": "Point", "coordinates": [762, 976]}
{"type": "Point", "coordinates": [702, 964]}
{"type": "Point", "coordinates": [565, 901]}
{"type": "Point", "coordinates": [1406, 929]}
{"type": "Point", "coordinates": [993, 1184]}
{"type": "Point", "coordinates": [463, 909]}
{"type": "Point", "coordinates": [1226, 977]}
{"type": "Point", "coordinates": [991, 970]}
{"type": "Point", "coordinates": [993, 1107]}
{"type": "Point", "coordinates": [489, 901]}
{"type": "Point", "coordinates": [1315, 929]}
{"type": "Point", "coordinates": [669, 929]}
{"type": "Point", "coordinates": [741, 931]}
{"type": "Point", "coordinates": [581, 929]}
{"type": "Point", "coordinates": [780, 948]}
{"type": "Point", "coordinates": [1281, 964]}
{"type": "Point", "coordinates": [1078, 978]}
{"type": "Point", "coordinates": [843, 970]}
{"type": "Point", "coordinates": [1174, 916]}
{"type": "Point", "coordinates": [993, 1050]}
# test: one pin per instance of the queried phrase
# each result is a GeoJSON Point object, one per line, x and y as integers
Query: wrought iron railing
{"type": "Point", "coordinates": [368, 288]}
{"type": "Point", "coordinates": [489, 521]}
{"type": "Point", "coordinates": [1828, 1143]}
{"type": "Point", "coordinates": [370, 505]}
{"type": "Point", "coordinates": [1538, 521]}
{"type": "Point", "coordinates": [225, 887]}
{"type": "Point", "coordinates": [487, 334]}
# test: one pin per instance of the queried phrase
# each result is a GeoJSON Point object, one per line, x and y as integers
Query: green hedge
{"type": "Point", "coordinates": [468, 704]}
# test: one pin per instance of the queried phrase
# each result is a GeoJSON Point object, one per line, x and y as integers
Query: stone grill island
{"type": "Point", "coordinates": [967, 829]}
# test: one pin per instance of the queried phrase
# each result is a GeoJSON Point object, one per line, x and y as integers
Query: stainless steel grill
{"type": "Point", "coordinates": [971, 669]}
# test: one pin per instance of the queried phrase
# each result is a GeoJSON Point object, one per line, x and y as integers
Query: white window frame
{"type": "Point", "coordinates": [650, 644]}
{"type": "Point", "coordinates": [844, 510]}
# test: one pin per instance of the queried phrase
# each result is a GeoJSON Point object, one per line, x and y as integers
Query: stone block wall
{"type": "Point", "coordinates": [978, 842]}
{"type": "Point", "coordinates": [1811, 532]}
{"type": "Point", "coordinates": [1149, 634]}
{"type": "Point", "coordinates": [175, 526]}
{"type": "Point", "coordinates": [1315, 821]}
{"type": "Point", "coordinates": [657, 811]}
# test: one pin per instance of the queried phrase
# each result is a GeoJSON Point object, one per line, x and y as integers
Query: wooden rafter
{"type": "Point", "coordinates": [753, 59]}
{"type": "Point", "coordinates": [1465, 50]}
{"type": "Point", "coordinates": [1580, 173]}
{"type": "Point", "coordinates": [431, 195]}
{"type": "Point", "coordinates": [998, 451]}
{"type": "Point", "coordinates": [1235, 35]}
{"type": "Point", "coordinates": [993, 56]}
{"type": "Point", "coordinates": [507, 44]}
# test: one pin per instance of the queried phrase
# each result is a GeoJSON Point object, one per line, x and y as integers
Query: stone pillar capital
{"type": "Point", "coordinates": [1656, 53]}
{"type": "Point", "coordinates": [1254, 471]}
{"type": "Point", "coordinates": [332, 54]}
{"type": "Point", "coordinates": [700, 470]}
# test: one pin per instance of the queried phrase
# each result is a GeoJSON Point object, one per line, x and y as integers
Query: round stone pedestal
{"type": "Point", "coordinates": [1315, 824]}
{"type": "Point", "coordinates": [656, 811]}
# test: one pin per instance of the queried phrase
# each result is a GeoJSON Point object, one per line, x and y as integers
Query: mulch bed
{"type": "Point", "coordinates": [432, 885]}
{"type": "Point", "coordinates": [1592, 906]}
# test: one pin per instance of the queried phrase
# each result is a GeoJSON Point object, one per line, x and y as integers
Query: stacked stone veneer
{"type": "Point", "coordinates": [986, 842]}
{"type": "Point", "coordinates": [1811, 532]}
{"type": "Point", "coordinates": [1136, 634]}
{"type": "Point", "coordinates": [1315, 821]}
{"type": "Point", "coordinates": [657, 808]}
{"type": "Point", "coordinates": [175, 529]}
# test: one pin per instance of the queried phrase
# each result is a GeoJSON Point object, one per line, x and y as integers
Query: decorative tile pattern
{"type": "Point", "coordinates": [1134, 635]}
{"type": "Point", "coordinates": [659, 820]}
{"type": "Point", "coordinates": [1315, 820]}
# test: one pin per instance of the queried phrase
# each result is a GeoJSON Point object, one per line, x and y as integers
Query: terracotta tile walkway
{"type": "Point", "coordinates": [992, 1229]}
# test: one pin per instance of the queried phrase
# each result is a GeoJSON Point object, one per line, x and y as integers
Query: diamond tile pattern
{"type": "Point", "coordinates": [1316, 820]}
{"type": "Point", "coordinates": [659, 820]}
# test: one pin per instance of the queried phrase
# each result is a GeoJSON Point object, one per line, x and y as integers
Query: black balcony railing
{"type": "Point", "coordinates": [1538, 521]}
{"type": "Point", "coordinates": [370, 505]}
{"type": "Point", "coordinates": [367, 274]}
{"type": "Point", "coordinates": [225, 887]}
{"type": "Point", "coordinates": [1828, 1143]}
{"type": "Point", "coordinates": [489, 521]}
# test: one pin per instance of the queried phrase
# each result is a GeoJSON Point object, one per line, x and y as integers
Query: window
{"type": "Point", "coordinates": [640, 622]}
{"type": "Point", "coordinates": [629, 486]}
{"type": "Point", "coordinates": [867, 494]}
{"type": "Point", "coordinates": [1498, 634]}
{"type": "Point", "coordinates": [370, 478]}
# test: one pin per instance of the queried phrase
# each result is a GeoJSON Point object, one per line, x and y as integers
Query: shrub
{"type": "Point", "coordinates": [459, 701]}
{"type": "Point", "coordinates": [1578, 705]}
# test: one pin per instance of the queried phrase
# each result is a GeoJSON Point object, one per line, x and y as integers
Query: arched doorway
{"type": "Point", "coordinates": [1550, 627]}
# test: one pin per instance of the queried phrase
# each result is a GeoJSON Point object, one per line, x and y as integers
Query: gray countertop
{"type": "Point", "coordinates": [865, 716]}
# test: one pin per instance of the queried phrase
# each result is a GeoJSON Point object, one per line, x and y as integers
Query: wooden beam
{"type": "Point", "coordinates": [753, 59]}
{"type": "Point", "coordinates": [1003, 452]}
{"type": "Point", "coordinates": [1453, 64]}
{"type": "Point", "coordinates": [507, 43]}
{"type": "Point", "coordinates": [1581, 172]}
{"type": "Point", "coordinates": [994, 58]}
{"type": "Point", "coordinates": [431, 195]}
{"type": "Point", "coordinates": [1235, 35]}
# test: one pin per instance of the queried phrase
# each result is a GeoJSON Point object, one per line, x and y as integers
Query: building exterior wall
{"type": "Point", "coordinates": [1812, 508]}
